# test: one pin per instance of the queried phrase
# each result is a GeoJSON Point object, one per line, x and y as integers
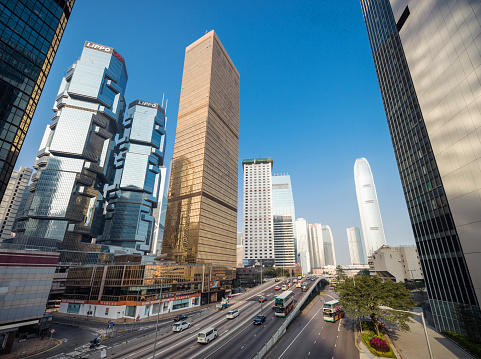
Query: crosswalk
{"type": "Point", "coordinates": [77, 352]}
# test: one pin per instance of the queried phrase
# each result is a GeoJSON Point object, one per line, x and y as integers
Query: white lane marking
{"type": "Point", "coordinates": [242, 347]}
{"type": "Point", "coordinates": [335, 345]}
{"type": "Point", "coordinates": [309, 353]}
{"type": "Point", "coordinates": [300, 333]}
{"type": "Point", "coordinates": [255, 335]}
{"type": "Point", "coordinates": [339, 327]}
{"type": "Point", "coordinates": [315, 341]}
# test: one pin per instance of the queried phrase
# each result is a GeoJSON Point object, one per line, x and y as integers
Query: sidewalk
{"type": "Point", "coordinates": [30, 347]}
{"type": "Point", "coordinates": [412, 344]}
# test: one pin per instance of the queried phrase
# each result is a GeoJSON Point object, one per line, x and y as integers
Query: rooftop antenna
{"type": "Point", "coordinates": [166, 102]}
{"type": "Point", "coordinates": [163, 100]}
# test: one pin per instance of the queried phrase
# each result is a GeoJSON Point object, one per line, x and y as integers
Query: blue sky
{"type": "Point", "coordinates": [309, 92]}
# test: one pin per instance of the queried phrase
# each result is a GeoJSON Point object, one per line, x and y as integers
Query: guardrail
{"type": "Point", "coordinates": [281, 331]}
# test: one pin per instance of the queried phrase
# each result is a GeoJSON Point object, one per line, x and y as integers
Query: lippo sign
{"type": "Point", "coordinates": [101, 48]}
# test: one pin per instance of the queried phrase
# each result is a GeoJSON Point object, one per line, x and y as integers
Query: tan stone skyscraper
{"type": "Point", "coordinates": [201, 218]}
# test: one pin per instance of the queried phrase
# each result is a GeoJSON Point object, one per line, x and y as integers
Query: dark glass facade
{"type": "Point", "coordinates": [30, 32]}
{"type": "Point", "coordinates": [446, 274]}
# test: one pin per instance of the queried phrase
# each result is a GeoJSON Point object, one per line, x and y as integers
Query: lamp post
{"type": "Point", "coordinates": [424, 324]}
{"type": "Point", "coordinates": [158, 311]}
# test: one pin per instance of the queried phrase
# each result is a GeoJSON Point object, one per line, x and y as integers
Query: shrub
{"type": "Point", "coordinates": [379, 344]}
{"type": "Point", "coordinates": [470, 344]}
{"type": "Point", "coordinates": [366, 337]}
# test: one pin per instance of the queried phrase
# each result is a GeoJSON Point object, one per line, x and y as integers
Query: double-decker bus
{"type": "Point", "coordinates": [284, 303]}
{"type": "Point", "coordinates": [332, 311]}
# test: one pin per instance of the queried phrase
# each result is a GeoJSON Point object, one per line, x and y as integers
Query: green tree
{"type": "Point", "coordinates": [340, 274]}
{"type": "Point", "coordinates": [364, 271]}
{"type": "Point", "coordinates": [364, 297]}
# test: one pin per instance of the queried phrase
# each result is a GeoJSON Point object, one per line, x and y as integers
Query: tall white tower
{"type": "Point", "coordinates": [355, 246]}
{"type": "Point", "coordinates": [303, 252]}
{"type": "Point", "coordinates": [317, 247]}
{"type": "Point", "coordinates": [372, 228]}
{"type": "Point", "coordinates": [328, 243]}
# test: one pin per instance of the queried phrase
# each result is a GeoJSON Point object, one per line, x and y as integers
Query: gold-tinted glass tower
{"type": "Point", "coordinates": [201, 218]}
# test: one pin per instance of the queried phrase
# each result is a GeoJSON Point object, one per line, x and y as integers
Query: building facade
{"type": "Point", "coordinates": [303, 246]}
{"type": "Point", "coordinates": [137, 184]}
{"type": "Point", "coordinates": [427, 62]}
{"type": "Point", "coordinates": [258, 219]}
{"type": "Point", "coordinates": [30, 33]}
{"type": "Point", "coordinates": [328, 242]}
{"type": "Point", "coordinates": [240, 249]}
{"type": "Point", "coordinates": [316, 246]}
{"type": "Point", "coordinates": [159, 216]}
{"type": "Point", "coordinates": [399, 264]}
{"type": "Point", "coordinates": [284, 221]}
{"type": "Point", "coordinates": [26, 280]}
{"type": "Point", "coordinates": [65, 202]}
{"type": "Point", "coordinates": [11, 200]}
{"type": "Point", "coordinates": [355, 246]}
{"type": "Point", "coordinates": [372, 228]}
{"type": "Point", "coordinates": [132, 290]}
{"type": "Point", "coordinates": [201, 218]}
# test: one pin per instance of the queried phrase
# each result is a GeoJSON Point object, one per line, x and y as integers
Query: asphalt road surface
{"type": "Point", "coordinates": [310, 337]}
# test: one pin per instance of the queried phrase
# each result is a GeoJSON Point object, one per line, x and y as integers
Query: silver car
{"type": "Point", "coordinates": [180, 326]}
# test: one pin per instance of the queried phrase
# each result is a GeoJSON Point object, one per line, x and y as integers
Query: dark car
{"type": "Point", "coordinates": [259, 319]}
{"type": "Point", "coordinates": [277, 280]}
{"type": "Point", "coordinates": [180, 317]}
{"type": "Point", "coordinates": [277, 287]}
{"type": "Point", "coordinates": [262, 299]}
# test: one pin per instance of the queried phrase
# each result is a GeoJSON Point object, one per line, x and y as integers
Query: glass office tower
{"type": "Point", "coordinates": [65, 203]}
{"type": "Point", "coordinates": [30, 32]}
{"type": "Point", "coordinates": [427, 61]}
{"type": "Point", "coordinates": [316, 246]}
{"type": "Point", "coordinates": [201, 218]}
{"type": "Point", "coordinates": [328, 241]}
{"type": "Point", "coordinates": [136, 189]}
{"type": "Point", "coordinates": [355, 246]}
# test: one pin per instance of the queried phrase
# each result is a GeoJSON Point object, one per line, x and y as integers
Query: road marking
{"type": "Point", "coordinates": [339, 327]}
{"type": "Point", "coordinates": [299, 333]}
{"type": "Point", "coordinates": [255, 335]}
{"type": "Point", "coordinates": [335, 345]}
{"type": "Point", "coordinates": [309, 353]}
{"type": "Point", "coordinates": [315, 341]}
{"type": "Point", "coordinates": [242, 347]}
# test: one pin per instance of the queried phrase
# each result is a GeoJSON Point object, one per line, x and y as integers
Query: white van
{"type": "Point", "coordinates": [207, 335]}
{"type": "Point", "coordinates": [284, 287]}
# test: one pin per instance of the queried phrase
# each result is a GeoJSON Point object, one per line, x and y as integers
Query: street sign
{"type": "Point", "coordinates": [111, 324]}
{"type": "Point", "coordinates": [52, 331]}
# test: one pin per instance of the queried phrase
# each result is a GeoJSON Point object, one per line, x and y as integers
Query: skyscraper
{"type": "Point", "coordinates": [302, 238]}
{"type": "Point", "coordinates": [328, 241]}
{"type": "Point", "coordinates": [316, 246]}
{"type": "Point", "coordinates": [258, 219]}
{"type": "Point", "coordinates": [138, 183]}
{"type": "Point", "coordinates": [201, 218]}
{"type": "Point", "coordinates": [428, 67]}
{"type": "Point", "coordinates": [30, 32]}
{"type": "Point", "coordinates": [284, 221]}
{"type": "Point", "coordinates": [65, 203]}
{"type": "Point", "coordinates": [371, 221]}
{"type": "Point", "coordinates": [355, 246]}
{"type": "Point", "coordinates": [11, 200]}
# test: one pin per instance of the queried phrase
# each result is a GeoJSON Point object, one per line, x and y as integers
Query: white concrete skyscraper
{"type": "Point", "coordinates": [258, 218]}
{"type": "Point", "coordinates": [302, 238]}
{"type": "Point", "coordinates": [372, 228]}
{"type": "Point", "coordinates": [355, 246]}
{"type": "Point", "coordinates": [316, 247]}
{"type": "Point", "coordinates": [328, 241]}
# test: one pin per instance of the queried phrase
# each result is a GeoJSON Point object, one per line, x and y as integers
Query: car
{"type": "Point", "coordinates": [207, 335]}
{"type": "Point", "coordinates": [262, 299]}
{"type": "Point", "coordinates": [259, 319]}
{"type": "Point", "coordinates": [231, 314]}
{"type": "Point", "coordinates": [180, 326]}
{"type": "Point", "coordinates": [284, 287]}
{"type": "Point", "coordinates": [276, 287]}
{"type": "Point", "coordinates": [277, 280]}
{"type": "Point", "coordinates": [180, 317]}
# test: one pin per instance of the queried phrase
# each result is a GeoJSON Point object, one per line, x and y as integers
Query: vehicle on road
{"type": "Point", "coordinates": [207, 335]}
{"type": "Point", "coordinates": [277, 287]}
{"type": "Point", "coordinates": [259, 319]}
{"type": "Point", "coordinates": [304, 287]}
{"type": "Point", "coordinates": [284, 303]}
{"type": "Point", "coordinates": [298, 284]}
{"type": "Point", "coordinates": [231, 314]}
{"type": "Point", "coordinates": [223, 304]}
{"type": "Point", "coordinates": [332, 311]}
{"type": "Point", "coordinates": [94, 343]}
{"type": "Point", "coordinates": [262, 299]}
{"type": "Point", "coordinates": [313, 278]}
{"type": "Point", "coordinates": [180, 317]}
{"type": "Point", "coordinates": [299, 277]}
{"type": "Point", "coordinates": [284, 287]}
{"type": "Point", "coordinates": [180, 326]}
{"type": "Point", "coordinates": [277, 280]}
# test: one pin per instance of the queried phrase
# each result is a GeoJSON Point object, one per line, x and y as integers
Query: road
{"type": "Point", "coordinates": [309, 336]}
{"type": "Point", "coordinates": [175, 345]}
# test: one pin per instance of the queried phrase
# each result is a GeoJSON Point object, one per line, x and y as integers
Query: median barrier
{"type": "Point", "coordinates": [281, 331]}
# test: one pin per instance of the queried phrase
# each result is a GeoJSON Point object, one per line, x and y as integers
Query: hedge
{"type": "Point", "coordinates": [471, 345]}
{"type": "Point", "coordinates": [366, 337]}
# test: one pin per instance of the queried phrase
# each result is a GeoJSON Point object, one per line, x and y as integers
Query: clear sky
{"type": "Point", "coordinates": [309, 95]}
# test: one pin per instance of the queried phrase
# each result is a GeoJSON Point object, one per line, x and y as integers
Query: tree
{"type": "Point", "coordinates": [340, 274]}
{"type": "Point", "coordinates": [363, 298]}
{"type": "Point", "coordinates": [364, 271]}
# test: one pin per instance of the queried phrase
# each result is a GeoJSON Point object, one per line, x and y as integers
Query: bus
{"type": "Point", "coordinates": [284, 303]}
{"type": "Point", "coordinates": [332, 311]}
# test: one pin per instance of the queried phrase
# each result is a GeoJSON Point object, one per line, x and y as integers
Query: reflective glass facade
{"type": "Point", "coordinates": [316, 246]}
{"type": "Point", "coordinates": [355, 246]}
{"type": "Point", "coordinates": [30, 32]}
{"type": "Point", "coordinates": [329, 252]}
{"type": "Point", "coordinates": [135, 191]}
{"type": "Point", "coordinates": [371, 221]}
{"type": "Point", "coordinates": [201, 217]}
{"type": "Point", "coordinates": [303, 246]}
{"type": "Point", "coordinates": [65, 203]}
{"type": "Point", "coordinates": [427, 58]}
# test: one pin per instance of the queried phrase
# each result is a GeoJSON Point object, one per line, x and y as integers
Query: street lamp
{"type": "Point", "coordinates": [382, 307]}
{"type": "Point", "coordinates": [158, 310]}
